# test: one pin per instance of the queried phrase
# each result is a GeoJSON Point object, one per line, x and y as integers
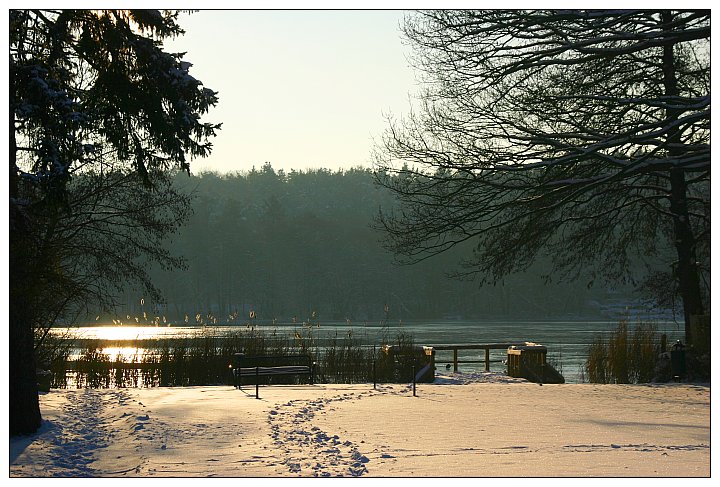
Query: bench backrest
{"type": "Point", "coordinates": [242, 360]}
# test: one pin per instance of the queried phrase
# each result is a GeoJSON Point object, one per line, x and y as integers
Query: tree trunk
{"type": "Point", "coordinates": [686, 270]}
{"type": "Point", "coordinates": [687, 273]}
{"type": "Point", "coordinates": [24, 407]}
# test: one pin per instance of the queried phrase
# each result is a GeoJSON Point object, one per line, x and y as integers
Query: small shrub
{"type": "Point", "coordinates": [624, 356]}
{"type": "Point", "coordinates": [597, 362]}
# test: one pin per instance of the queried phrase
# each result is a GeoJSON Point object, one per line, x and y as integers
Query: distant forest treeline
{"type": "Point", "coordinates": [289, 244]}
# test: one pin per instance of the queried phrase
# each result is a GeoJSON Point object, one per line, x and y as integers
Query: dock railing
{"type": "Point", "coordinates": [475, 346]}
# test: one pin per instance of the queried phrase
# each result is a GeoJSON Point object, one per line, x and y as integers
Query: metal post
{"type": "Point", "coordinates": [455, 360]}
{"type": "Point", "coordinates": [374, 376]}
{"type": "Point", "coordinates": [413, 381]}
{"type": "Point", "coordinates": [487, 360]}
{"type": "Point", "coordinates": [257, 382]}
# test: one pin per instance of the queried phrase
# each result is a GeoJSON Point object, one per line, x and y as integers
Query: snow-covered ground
{"type": "Point", "coordinates": [462, 425]}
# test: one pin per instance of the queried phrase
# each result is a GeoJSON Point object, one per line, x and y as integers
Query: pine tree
{"type": "Point", "coordinates": [92, 94]}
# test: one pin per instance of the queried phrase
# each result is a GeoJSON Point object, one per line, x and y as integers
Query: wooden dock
{"type": "Point", "coordinates": [476, 346]}
{"type": "Point", "coordinates": [525, 359]}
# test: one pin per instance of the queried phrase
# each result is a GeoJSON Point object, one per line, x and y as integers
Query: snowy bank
{"type": "Point", "coordinates": [463, 425]}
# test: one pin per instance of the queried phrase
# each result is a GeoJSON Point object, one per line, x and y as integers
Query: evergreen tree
{"type": "Point", "coordinates": [92, 96]}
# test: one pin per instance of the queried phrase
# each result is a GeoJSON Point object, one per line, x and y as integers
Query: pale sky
{"type": "Point", "coordinates": [299, 89]}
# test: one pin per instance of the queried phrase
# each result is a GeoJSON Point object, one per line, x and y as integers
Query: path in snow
{"type": "Point", "coordinates": [86, 423]}
{"type": "Point", "coordinates": [307, 450]}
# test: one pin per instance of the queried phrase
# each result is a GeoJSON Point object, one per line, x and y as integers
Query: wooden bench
{"type": "Point", "coordinates": [270, 366]}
